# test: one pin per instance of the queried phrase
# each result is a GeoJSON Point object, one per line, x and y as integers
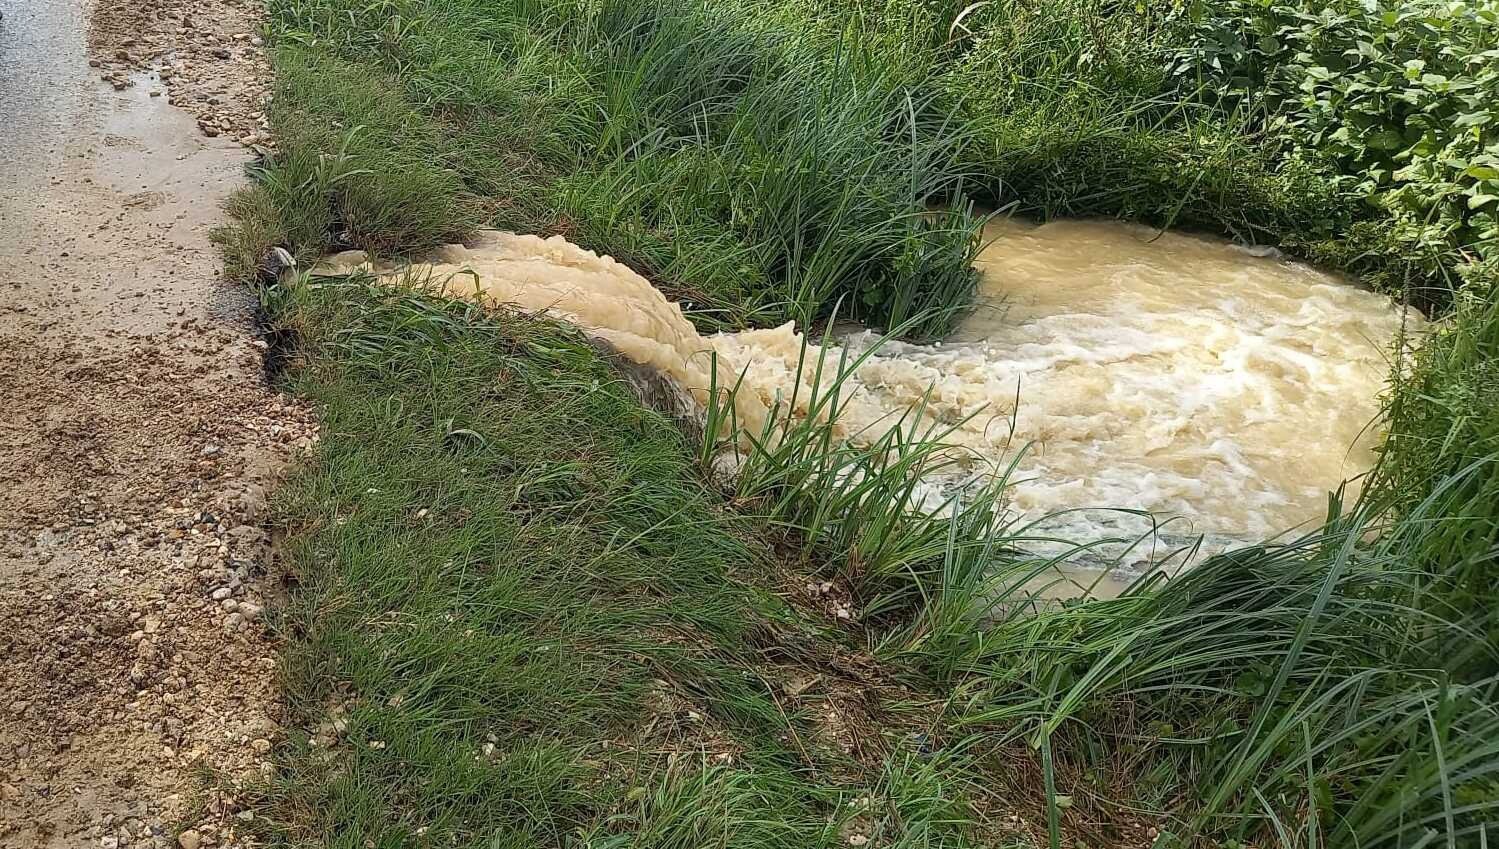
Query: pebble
{"type": "Point", "coordinates": [141, 661]}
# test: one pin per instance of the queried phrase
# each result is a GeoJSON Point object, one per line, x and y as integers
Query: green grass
{"type": "Point", "coordinates": [766, 162]}
{"type": "Point", "coordinates": [1293, 693]}
{"type": "Point", "coordinates": [522, 618]}
{"type": "Point", "coordinates": [1340, 687]}
{"type": "Point", "coordinates": [1443, 438]}
{"type": "Point", "coordinates": [759, 172]}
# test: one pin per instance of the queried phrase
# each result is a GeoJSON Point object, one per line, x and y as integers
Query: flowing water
{"type": "Point", "coordinates": [1224, 392]}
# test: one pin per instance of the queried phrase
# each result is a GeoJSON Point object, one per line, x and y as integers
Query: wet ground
{"type": "Point", "coordinates": [136, 443]}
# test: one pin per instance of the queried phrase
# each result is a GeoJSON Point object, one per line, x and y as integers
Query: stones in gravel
{"type": "Point", "coordinates": [121, 682]}
{"type": "Point", "coordinates": [204, 52]}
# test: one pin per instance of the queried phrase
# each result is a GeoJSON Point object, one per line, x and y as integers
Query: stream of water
{"type": "Point", "coordinates": [1222, 391]}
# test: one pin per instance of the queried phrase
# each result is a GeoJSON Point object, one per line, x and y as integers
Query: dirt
{"type": "Point", "coordinates": [206, 57]}
{"type": "Point", "coordinates": [137, 435]}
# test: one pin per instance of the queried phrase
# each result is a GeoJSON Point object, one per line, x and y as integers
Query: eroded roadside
{"type": "Point", "coordinates": [137, 436]}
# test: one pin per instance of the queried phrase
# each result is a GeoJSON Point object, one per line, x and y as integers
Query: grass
{"type": "Point", "coordinates": [522, 617]}
{"type": "Point", "coordinates": [520, 620]}
{"type": "Point", "coordinates": [1339, 687]}
{"type": "Point", "coordinates": [1299, 692]}
{"type": "Point", "coordinates": [759, 172]}
{"type": "Point", "coordinates": [767, 162]}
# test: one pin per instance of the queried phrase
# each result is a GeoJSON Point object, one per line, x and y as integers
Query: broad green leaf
{"type": "Point", "coordinates": [1385, 140]}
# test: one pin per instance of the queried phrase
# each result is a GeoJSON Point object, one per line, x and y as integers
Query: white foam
{"type": "Point", "coordinates": [1224, 392]}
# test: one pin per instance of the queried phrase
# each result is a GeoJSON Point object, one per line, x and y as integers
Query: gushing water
{"type": "Point", "coordinates": [1182, 376]}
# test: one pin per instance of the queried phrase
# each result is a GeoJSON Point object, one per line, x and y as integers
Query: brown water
{"type": "Point", "coordinates": [1223, 391]}
{"type": "Point", "coordinates": [1166, 372]}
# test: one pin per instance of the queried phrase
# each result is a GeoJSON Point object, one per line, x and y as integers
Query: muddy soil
{"type": "Point", "coordinates": [137, 435]}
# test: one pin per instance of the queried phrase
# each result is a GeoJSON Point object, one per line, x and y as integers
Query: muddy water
{"type": "Point", "coordinates": [1163, 372]}
{"type": "Point", "coordinates": [1225, 393]}
{"type": "Point", "coordinates": [42, 94]}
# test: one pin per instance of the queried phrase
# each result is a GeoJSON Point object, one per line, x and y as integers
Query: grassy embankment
{"type": "Point", "coordinates": [521, 621]}
{"type": "Point", "coordinates": [1362, 136]}
{"type": "Point", "coordinates": [575, 644]}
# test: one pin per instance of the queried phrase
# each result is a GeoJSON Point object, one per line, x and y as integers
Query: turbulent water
{"type": "Point", "coordinates": [1183, 376]}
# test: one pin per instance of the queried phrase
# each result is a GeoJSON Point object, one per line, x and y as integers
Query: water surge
{"type": "Point", "coordinates": [1221, 391]}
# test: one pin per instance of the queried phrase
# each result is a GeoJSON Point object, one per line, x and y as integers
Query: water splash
{"type": "Point", "coordinates": [1225, 391]}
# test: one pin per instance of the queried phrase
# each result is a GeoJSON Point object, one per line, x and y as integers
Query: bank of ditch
{"type": "Point", "coordinates": [526, 618]}
{"type": "Point", "coordinates": [522, 619]}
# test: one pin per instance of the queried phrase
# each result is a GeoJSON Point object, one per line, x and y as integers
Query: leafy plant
{"type": "Point", "coordinates": [1394, 99]}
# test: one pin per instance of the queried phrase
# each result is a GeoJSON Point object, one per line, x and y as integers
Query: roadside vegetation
{"type": "Point", "coordinates": [1361, 135]}
{"type": "Point", "coordinates": [521, 619]}
{"type": "Point", "coordinates": [525, 617]}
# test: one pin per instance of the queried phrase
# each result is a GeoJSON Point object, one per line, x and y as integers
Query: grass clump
{"type": "Point", "coordinates": [1286, 694]}
{"type": "Point", "coordinates": [520, 620]}
{"type": "Point", "coordinates": [1443, 438]}
{"type": "Point", "coordinates": [1338, 688]}
{"type": "Point", "coordinates": [761, 172]}
{"type": "Point", "coordinates": [360, 168]}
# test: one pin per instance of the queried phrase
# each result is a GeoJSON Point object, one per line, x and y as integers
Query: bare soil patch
{"type": "Point", "coordinates": [137, 436]}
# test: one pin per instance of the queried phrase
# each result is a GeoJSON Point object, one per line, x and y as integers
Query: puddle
{"type": "Point", "coordinates": [42, 92]}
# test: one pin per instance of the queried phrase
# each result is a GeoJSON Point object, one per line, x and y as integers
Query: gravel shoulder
{"type": "Point", "coordinates": [137, 435]}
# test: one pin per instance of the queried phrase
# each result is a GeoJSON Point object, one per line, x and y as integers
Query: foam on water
{"type": "Point", "coordinates": [1179, 375]}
